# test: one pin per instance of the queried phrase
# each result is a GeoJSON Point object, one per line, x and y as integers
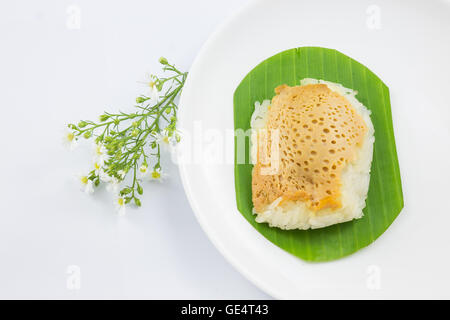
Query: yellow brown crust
{"type": "Point", "coordinates": [318, 133]}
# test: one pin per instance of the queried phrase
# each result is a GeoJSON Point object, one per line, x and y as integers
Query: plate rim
{"type": "Point", "coordinates": [182, 168]}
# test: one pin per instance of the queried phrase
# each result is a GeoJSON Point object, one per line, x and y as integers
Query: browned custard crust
{"type": "Point", "coordinates": [319, 132]}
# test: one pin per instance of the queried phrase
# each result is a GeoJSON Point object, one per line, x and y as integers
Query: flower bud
{"type": "Point", "coordinates": [104, 117]}
{"type": "Point", "coordinates": [163, 61]}
{"type": "Point", "coordinates": [141, 99]}
{"type": "Point", "coordinates": [137, 202]}
{"type": "Point", "coordinates": [87, 134]}
{"type": "Point", "coordinates": [139, 189]}
{"type": "Point", "coordinates": [125, 191]}
{"type": "Point", "coordinates": [82, 124]}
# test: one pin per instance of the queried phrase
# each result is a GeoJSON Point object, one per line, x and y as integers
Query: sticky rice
{"type": "Point", "coordinates": [311, 188]}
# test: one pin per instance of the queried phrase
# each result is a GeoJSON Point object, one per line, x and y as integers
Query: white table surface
{"type": "Point", "coordinates": [52, 73]}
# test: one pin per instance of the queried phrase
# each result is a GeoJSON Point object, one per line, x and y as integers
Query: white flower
{"type": "Point", "coordinates": [100, 172]}
{"type": "Point", "coordinates": [113, 185]}
{"type": "Point", "coordinates": [157, 175]}
{"type": "Point", "coordinates": [98, 168]}
{"type": "Point", "coordinates": [99, 149]}
{"type": "Point", "coordinates": [152, 90]}
{"type": "Point", "coordinates": [120, 205]}
{"type": "Point", "coordinates": [164, 140]}
{"type": "Point", "coordinates": [104, 177]}
{"type": "Point", "coordinates": [100, 153]}
{"type": "Point", "coordinates": [86, 185]}
{"type": "Point", "coordinates": [143, 169]}
{"type": "Point", "coordinates": [69, 139]}
{"type": "Point", "coordinates": [154, 94]}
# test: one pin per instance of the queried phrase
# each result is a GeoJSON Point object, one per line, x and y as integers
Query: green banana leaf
{"type": "Point", "coordinates": [385, 198]}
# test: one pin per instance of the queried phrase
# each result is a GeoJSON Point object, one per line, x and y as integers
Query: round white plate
{"type": "Point", "coordinates": [406, 43]}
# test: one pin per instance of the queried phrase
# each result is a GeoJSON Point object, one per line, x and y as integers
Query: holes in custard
{"type": "Point", "coordinates": [318, 137]}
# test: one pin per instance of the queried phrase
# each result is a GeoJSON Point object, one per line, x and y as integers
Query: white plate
{"type": "Point", "coordinates": [407, 44]}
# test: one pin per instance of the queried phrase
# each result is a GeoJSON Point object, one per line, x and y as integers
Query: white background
{"type": "Point", "coordinates": [51, 75]}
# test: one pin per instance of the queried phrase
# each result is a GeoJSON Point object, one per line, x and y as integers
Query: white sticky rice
{"type": "Point", "coordinates": [355, 176]}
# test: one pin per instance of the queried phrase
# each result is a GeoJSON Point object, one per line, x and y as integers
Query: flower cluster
{"type": "Point", "coordinates": [130, 144]}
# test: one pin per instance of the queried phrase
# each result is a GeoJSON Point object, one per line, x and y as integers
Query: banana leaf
{"type": "Point", "coordinates": [385, 198]}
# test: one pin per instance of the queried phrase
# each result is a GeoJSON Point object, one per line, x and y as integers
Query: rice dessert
{"type": "Point", "coordinates": [312, 150]}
